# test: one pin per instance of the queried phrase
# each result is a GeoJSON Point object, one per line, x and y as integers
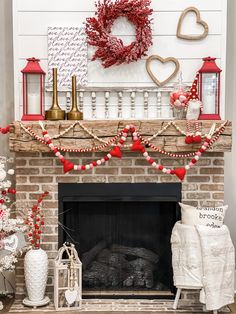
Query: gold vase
{"type": "Point", "coordinates": [74, 114]}
{"type": "Point", "coordinates": [55, 112]}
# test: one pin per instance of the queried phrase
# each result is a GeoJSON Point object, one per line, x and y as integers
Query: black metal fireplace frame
{"type": "Point", "coordinates": [115, 192]}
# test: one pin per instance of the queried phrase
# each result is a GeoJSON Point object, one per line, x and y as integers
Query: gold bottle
{"type": "Point", "coordinates": [74, 114]}
{"type": "Point", "coordinates": [55, 112]}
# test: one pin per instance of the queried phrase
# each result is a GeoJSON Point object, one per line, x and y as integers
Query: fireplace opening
{"type": "Point", "coordinates": [122, 234]}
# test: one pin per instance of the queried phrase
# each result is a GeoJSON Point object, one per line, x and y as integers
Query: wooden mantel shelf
{"type": "Point", "coordinates": [171, 140]}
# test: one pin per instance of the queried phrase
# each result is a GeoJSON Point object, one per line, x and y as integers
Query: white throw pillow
{"type": "Point", "coordinates": [207, 216]}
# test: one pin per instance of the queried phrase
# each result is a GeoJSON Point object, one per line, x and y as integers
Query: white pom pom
{"type": "Point", "coordinates": [11, 172]}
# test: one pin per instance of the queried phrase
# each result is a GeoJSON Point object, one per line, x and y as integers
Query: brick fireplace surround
{"type": "Point", "coordinates": [38, 170]}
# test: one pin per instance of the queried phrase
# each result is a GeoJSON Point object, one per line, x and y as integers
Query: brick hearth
{"type": "Point", "coordinates": [37, 172]}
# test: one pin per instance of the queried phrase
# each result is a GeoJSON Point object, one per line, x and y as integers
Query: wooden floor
{"type": "Point", "coordinates": [9, 301]}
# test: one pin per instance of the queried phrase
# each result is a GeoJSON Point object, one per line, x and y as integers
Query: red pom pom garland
{"type": "Point", "coordinates": [137, 146]}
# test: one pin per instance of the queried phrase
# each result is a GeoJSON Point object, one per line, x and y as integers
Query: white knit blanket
{"type": "Point", "coordinates": [203, 257]}
{"type": "Point", "coordinates": [218, 259]}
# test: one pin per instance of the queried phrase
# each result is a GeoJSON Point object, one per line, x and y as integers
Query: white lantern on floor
{"type": "Point", "coordinates": [67, 279]}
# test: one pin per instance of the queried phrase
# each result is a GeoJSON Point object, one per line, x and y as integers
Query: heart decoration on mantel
{"type": "Point", "coordinates": [71, 296]}
{"type": "Point", "coordinates": [179, 33]}
{"type": "Point", "coordinates": [163, 61]}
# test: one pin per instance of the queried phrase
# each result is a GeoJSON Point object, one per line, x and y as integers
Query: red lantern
{"type": "Point", "coordinates": [33, 91]}
{"type": "Point", "coordinates": [209, 89]}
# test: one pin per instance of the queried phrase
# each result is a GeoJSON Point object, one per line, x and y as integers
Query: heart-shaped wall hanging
{"type": "Point", "coordinates": [163, 61]}
{"type": "Point", "coordinates": [179, 33]}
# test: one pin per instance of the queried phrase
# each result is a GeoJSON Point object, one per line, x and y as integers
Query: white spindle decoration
{"type": "Point", "coordinates": [107, 95]}
{"type": "Point", "coordinates": [159, 96]}
{"type": "Point", "coordinates": [81, 101]}
{"type": "Point", "coordinates": [94, 105]}
{"type": "Point", "coordinates": [120, 102]}
{"type": "Point", "coordinates": [68, 102]}
{"type": "Point", "coordinates": [146, 95]}
{"type": "Point", "coordinates": [132, 96]}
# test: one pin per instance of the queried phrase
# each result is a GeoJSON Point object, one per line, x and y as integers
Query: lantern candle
{"type": "Point", "coordinates": [209, 89]}
{"type": "Point", "coordinates": [33, 104]}
{"type": "Point", "coordinates": [33, 90]}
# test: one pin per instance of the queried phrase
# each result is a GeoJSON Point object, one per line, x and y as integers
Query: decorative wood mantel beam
{"type": "Point", "coordinates": [171, 140]}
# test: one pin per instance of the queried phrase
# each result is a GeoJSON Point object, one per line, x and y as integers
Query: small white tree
{"type": "Point", "coordinates": [11, 227]}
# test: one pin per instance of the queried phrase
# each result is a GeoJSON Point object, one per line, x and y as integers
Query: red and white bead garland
{"type": "Point", "coordinates": [137, 146]}
{"type": "Point", "coordinates": [113, 140]}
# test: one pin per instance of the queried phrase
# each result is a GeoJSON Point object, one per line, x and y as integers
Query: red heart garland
{"type": "Point", "coordinates": [68, 166]}
{"type": "Point", "coordinates": [137, 146]}
{"type": "Point", "coordinates": [197, 139]}
{"type": "Point", "coordinates": [116, 152]}
{"type": "Point", "coordinates": [180, 173]}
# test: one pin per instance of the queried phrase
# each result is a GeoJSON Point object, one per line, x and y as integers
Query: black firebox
{"type": "Point", "coordinates": [122, 234]}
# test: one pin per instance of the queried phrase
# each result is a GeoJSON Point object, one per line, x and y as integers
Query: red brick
{"type": "Point", "coordinates": [198, 196]}
{"type": "Point", "coordinates": [41, 179]}
{"type": "Point", "coordinates": [20, 162]}
{"type": "Point", "coordinates": [211, 170]}
{"type": "Point", "coordinates": [54, 170]}
{"type": "Point", "coordinates": [198, 178]}
{"type": "Point", "coordinates": [95, 179]}
{"type": "Point", "coordinates": [104, 170]}
{"type": "Point", "coordinates": [134, 170]}
{"type": "Point", "coordinates": [27, 171]}
{"type": "Point", "coordinates": [218, 179]}
{"type": "Point", "coordinates": [172, 162]}
{"type": "Point", "coordinates": [218, 196]}
{"type": "Point", "coordinates": [212, 187]}
{"type": "Point", "coordinates": [27, 188]}
{"type": "Point", "coordinates": [116, 179]}
{"type": "Point", "coordinates": [20, 179]}
{"type": "Point", "coordinates": [144, 178]}
{"type": "Point", "coordinates": [41, 162]}
{"type": "Point", "coordinates": [218, 162]}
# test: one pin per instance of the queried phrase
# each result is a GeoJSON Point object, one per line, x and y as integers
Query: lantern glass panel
{"type": "Point", "coordinates": [210, 93]}
{"type": "Point", "coordinates": [33, 94]}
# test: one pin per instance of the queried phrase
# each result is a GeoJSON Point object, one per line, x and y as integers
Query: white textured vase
{"type": "Point", "coordinates": [36, 273]}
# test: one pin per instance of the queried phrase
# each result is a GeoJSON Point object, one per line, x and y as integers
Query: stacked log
{"type": "Point", "coordinates": [118, 266]}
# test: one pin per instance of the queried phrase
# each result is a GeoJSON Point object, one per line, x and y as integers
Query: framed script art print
{"type": "Point", "coordinates": [67, 51]}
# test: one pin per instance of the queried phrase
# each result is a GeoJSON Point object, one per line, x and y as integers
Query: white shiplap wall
{"type": "Point", "coordinates": [32, 18]}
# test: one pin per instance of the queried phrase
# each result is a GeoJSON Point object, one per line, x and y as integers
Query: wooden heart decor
{"type": "Point", "coordinates": [163, 61]}
{"type": "Point", "coordinates": [199, 21]}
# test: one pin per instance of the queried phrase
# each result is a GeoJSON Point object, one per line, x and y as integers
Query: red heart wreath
{"type": "Point", "coordinates": [111, 50]}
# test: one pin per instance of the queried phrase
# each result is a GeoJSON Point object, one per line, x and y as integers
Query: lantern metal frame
{"type": "Point", "coordinates": [61, 267]}
{"type": "Point", "coordinates": [33, 68]}
{"type": "Point", "coordinates": [210, 66]}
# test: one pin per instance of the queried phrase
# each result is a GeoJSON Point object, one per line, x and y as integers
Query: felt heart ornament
{"type": "Point", "coordinates": [180, 173]}
{"type": "Point", "coordinates": [71, 296]}
{"type": "Point", "coordinates": [199, 21]}
{"type": "Point", "coordinates": [189, 139]}
{"type": "Point", "coordinates": [116, 152]}
{"type": "Point", "coordinates": [68, 166]}
{"type": "Point", "coordinates": [137, 146]}
{"type": "Point", "coordinates": [163, 61]}
{"type": "Point", "coordinates": [197, 139]}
